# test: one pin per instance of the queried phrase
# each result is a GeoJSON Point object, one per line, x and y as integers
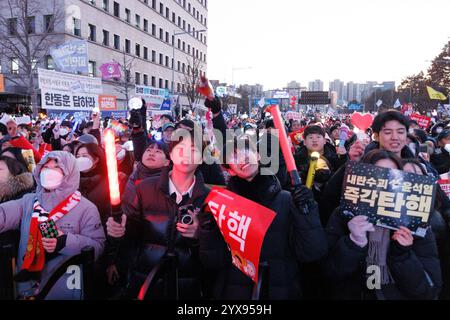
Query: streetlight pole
{"type": "Point", "coordinates": [174, 34]}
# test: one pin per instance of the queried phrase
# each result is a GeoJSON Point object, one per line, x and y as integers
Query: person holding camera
{"type": "Point", "coordinates": [162, 217]}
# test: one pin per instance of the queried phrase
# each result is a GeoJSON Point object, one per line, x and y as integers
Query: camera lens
{"type": "Point", "coordinates": [187, 219]}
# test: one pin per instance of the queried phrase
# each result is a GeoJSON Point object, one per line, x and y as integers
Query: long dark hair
{"type": "Point", "coordinates": [374, 156]}
{"type": "Point", "coordinates": [97, 153]}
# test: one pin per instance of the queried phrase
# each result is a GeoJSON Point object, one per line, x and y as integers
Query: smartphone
{"type": "Point", "coordinates": [423, 148]}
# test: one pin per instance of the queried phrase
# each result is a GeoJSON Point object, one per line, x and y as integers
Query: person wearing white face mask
{"type": "Point", "coordinates": [441, 157]}
{"type": "Point", "coordinates": [76, 222]}
{"type": "Point", "coordinates": [91, 162]}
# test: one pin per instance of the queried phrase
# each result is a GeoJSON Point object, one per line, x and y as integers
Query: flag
{"type": "Point", "coordinates": [397, 104]}
{"type": "Point", "coordinates": [379, 103]}
{"type": "Point", "coordinates": [435, 95]}
{"type": "Point", "coordinates": [262, 102]}
{"type": "Point", "coordinates": [110, 71]}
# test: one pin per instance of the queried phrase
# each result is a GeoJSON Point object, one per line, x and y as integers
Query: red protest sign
{"type": "Point", "coordinates": [297, 136]}
{"type": "Point", "coordinates": [422, 121]}
{"type": "Point", "coordinates": [445, 185]}
{"type": "Point", "coordinates": [243, 224]}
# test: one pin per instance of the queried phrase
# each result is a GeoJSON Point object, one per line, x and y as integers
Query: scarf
{"type": "Point", "coordinates": [378, 248]}
{"type": "Point", "coordinates": [34, 259]}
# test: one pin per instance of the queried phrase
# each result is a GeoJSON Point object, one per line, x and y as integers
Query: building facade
{"type": "Point", "coordinates": [159, 39]}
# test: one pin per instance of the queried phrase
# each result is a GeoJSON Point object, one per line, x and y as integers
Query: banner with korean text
{"type": "Point", "coordinates": [389, 198]}
{"type": "Point", "coordinates": [243, 224]}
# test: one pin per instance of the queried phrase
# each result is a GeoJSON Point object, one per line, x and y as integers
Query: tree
{"type": "Point", "coordinates": [190, 78]}
{"type": "Point", "coordinates": [22, 45]}
{"type": "Point", "coordinates": [439, 71]}
{"type": "Point", "coordinates": [125, 84]}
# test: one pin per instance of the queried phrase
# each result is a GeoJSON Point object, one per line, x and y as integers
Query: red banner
{"type": "Point", "coordinates": [243, 224]}
{"type": "Point", "coordinates": [445, 185]}
{"type": "Point", "coordinates": [107, 103]}
{"type": "Point", "coordinates": [422, 121]}
{"type": "Point", "coordinates": [297, 136]}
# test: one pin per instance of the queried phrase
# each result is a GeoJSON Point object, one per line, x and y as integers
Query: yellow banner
{"type": "Point", "coordinates": [435, 95]}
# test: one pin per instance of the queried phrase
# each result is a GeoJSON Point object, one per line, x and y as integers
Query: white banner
{"type": "Point", "coordinates": [292, 115]}
{"type": "Point", "coordinates": [232, 108]}
{"type": "Point", "coordinates": [58, 81]}
{"type": "Point", "coordinates": [62, 100]}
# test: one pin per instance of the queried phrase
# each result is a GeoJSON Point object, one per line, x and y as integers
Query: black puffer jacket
{"type": "Point", "coordinates": [441, 160]}
{"type": "Point", "coordinates": [292, 237]}
{"type": "Point", "coordinates": [416, 272]}
{"type": "Point", "coordinates": [151, 215]}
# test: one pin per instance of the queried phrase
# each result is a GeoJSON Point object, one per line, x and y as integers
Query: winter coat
{"type": "Point", "coordinates": [82, 225]}
{"type": "Point", "coordinates": [151, 216]}
{"type": "Point", "coordinates": [416, 272]}
{"type": "Point", "coordinates": [441, 160]}
{"type": "Point", "coordinates": [292, 237]}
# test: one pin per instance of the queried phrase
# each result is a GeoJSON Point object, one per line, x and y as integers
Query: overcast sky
{"type": "Point", "coordinates": [303, 40]}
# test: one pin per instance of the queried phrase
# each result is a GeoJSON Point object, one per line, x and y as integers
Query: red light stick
{"type": "Point", "coordinates": [113, 177]}
{"type": "Point", "coordinates": [288, 157]}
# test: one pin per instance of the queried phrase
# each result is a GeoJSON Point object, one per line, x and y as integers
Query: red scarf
{"type": "Point", "coordinates": [34, 259]}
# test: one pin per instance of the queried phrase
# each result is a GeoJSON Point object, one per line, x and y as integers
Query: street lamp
{"type": "Point", "coordinates": [174, 34]}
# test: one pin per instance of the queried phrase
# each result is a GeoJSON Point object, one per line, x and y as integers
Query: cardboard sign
{"type": "Point", "coordinates": [107, 103]}
{"type": "Point", "coordinates": [390, 198]}
{"type": "Point", "coordinates": [243, 224]}
{"type": "Point", "coordinates": [445, 185]}
{"type": "Point", "coordinates": [422, 121]}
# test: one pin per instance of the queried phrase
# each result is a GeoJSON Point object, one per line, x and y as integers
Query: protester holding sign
{"type": "Point", "coordinates": [294, 235]}
{"type": "Point", "coordinates": [439, 223]}
{"type": "Point", "coordinates": [372, 262]}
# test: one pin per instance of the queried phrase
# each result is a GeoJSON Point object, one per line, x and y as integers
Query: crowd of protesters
{"type": "Point", "coordinates": [58, 168]}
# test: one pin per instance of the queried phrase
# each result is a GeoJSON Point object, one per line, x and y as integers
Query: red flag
{"type": "Point", "coordinates": [243, 224]}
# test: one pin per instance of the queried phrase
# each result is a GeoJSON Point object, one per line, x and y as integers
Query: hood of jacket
{"type": "Point", "coordinates": [71, 181]}
{"type": "Point", "coordinates": [16, 186]}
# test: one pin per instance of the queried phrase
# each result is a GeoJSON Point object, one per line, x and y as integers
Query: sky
{"type": "Point", "coordinates": [275, 42]}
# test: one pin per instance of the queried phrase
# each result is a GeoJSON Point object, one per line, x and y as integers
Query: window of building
{"type": "Point", "coordinates": [116, 42]}
{"type": "Point", "coordinates": [154, 4]}
{"type": "Point", "coordinates": [31, 25]}
{"type": "Point", "coordinates": [127, 15]}
{"type": "Point", "coordinates": [167, 61]}
{"type": "Point", "coordinates": [167, 13]}
{"type": "Point", "coordinates": [161, 8]}
{"type": "Point", "coordinates": [160, 83]}
{"type": "Point", "coordinates": [161, 59]}
{"type": "Point", "coordinates": [161, 34]}
{"type": "Point", "coordinates": [145, 25]}
{"type": "Point", "coordinates": [138, 21]}
{"type": "Point", "coordinates": [145, 80]}
{"type": "Point", "coordinates": [116, 9]}
{"type": "Point", "coordinates": [127, 46]}
{"type": "Point", "coordinates": [92, 33]}
{"type": "Point", "coordinates": [105, 38]}
{"type": "Point", "coordinates": [145, 53]}
{"type": "Point", "coordinates": [166, 84]}
{"type": "Point", "coordinates": [153, 56]}
{"type": "Point", "coordinates": [138, 50]}
{"type": "Point", "coordinates": [153, 30]}
{"type": "Point", "coordinates": [49, 23]}
{"type": "Point", "coordinates": [12, 26]}
{"type": "Point", "coordinates": [91, 68]}
{"type": "Point", "coordinates": [77, 27]}
{"type": "Point", "coordinates": [137, 78]}
{"type": "Point", "coordinates": [153, 82]}
{"type": "Point", "coordinates": [49, 64]}
{"type": "Point", "coordinates": [167, 37]}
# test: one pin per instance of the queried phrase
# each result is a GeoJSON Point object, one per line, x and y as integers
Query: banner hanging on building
{"type": "Point", "coordinates": [154, 97]}
{"type": "Point", "coordinates": [72, 56]}
{"type": "Point", "coordinates": [243, 224]}
{"type": "Point", "coordinates": [110, 71]}
{"type": "Point", "coordinates": [389, 198]}
{"type": "Point", "coordinates": [59, 81]}
{"type": "Point", "coordinates": [62, 100]}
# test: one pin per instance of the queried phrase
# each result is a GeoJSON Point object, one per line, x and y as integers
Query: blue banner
{"type": "Point", "coordinates": [71, 57]}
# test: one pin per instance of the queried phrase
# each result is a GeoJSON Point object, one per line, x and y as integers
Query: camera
{"type": "Point", "coordinates": [184, 216]}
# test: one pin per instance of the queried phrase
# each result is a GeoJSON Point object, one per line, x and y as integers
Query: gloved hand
{"type": "Point", "coordinates": [303, 198]}
{"type": "Point", "coordinates": [322, 175]}
{"type": "Point", "coordinates": [215, 105]}
{"type": "Point", "coordinates": [359, 226]}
